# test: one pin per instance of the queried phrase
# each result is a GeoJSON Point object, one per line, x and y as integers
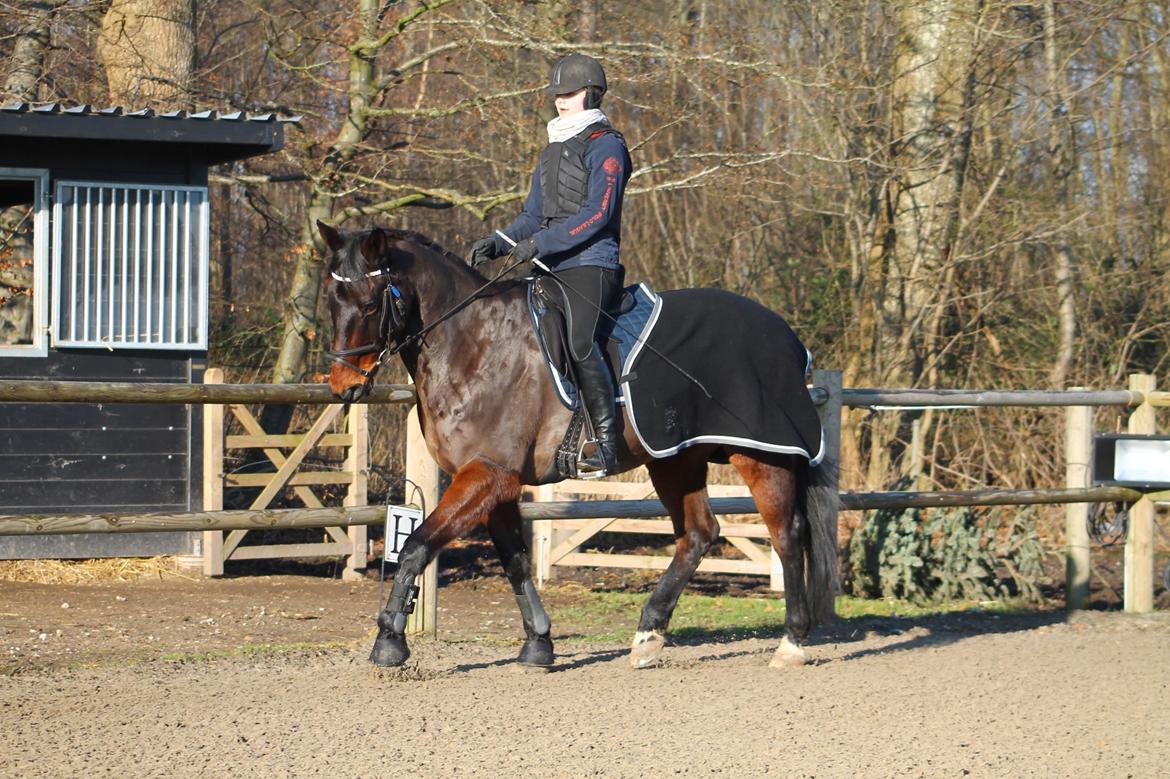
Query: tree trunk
{"type": "Point", "coordinates": [28, 53]}
{"type": "Point", "coordinates": [148, 50]}
{"type": "Point", "coordinates": [25, 68]}
{"type": "Point", "coordinates": [1060, 158]}
{"type": "Point", "coordinates": [932, 92]}
{"type": "Point", "coordinates": [300, 314]}
{"type": "Point", "coordinates": [587, 20]}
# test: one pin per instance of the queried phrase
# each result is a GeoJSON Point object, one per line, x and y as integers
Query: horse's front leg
{"type": "Point", "coordinates": [477, 489]}
{"type": "Point", "coordinates": [504, 527]}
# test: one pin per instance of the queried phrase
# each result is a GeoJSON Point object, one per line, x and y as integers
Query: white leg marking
{"type": "Point", "coordinates": [788, 655]}
{"type": "Point", "coordinates": [646, 648]}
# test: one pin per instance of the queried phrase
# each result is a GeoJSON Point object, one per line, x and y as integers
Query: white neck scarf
{"type": "Point", "coordinates": [563, 128]}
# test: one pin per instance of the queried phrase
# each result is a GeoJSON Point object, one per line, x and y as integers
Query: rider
{"type": "Point", "coordinates": [572, 220]}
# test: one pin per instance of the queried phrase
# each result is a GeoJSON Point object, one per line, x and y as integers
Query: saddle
{"type": "Point", "coordinates": [547, 300]}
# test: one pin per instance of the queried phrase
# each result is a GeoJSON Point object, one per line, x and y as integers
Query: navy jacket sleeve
{"type": "Point", "coordinates": [528, 222]}
{"type": "Point", "coordinates": [609, 169]}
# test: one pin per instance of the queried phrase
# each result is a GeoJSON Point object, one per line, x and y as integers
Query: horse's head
{"type": "Point", "coordinates": [368, 308]}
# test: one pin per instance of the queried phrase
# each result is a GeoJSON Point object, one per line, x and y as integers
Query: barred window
{"type": "Point", "coordinates": [130, 266]}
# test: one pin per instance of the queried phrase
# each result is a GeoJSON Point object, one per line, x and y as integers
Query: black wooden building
{"type": "Point", "coordinates": [104, 265]}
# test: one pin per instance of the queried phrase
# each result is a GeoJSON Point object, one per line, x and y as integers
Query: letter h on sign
{"type": "Point", "coordinates": [401, 521]}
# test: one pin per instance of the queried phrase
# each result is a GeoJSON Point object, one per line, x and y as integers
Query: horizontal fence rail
{"type": "Point", "coordinates": [591, 509]}
{"type": "Point", "coordinates": [878, 398]}
{"type": "Point", "coordinates": [162, 392]}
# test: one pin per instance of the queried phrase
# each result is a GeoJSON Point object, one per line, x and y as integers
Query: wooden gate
{"type": "Point", "coordinates": [286, 453]}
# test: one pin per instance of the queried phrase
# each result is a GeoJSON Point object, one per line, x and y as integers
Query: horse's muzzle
{"type": "Point", "coordinates": [354, 392]}
{"type": "Point", "coordinates": [349, 385]}
{"type": "Point", "coordinates": [352, 381]}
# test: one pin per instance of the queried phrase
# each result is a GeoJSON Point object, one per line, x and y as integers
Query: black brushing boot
{"type": "Point", "coordinates": [596, 387]}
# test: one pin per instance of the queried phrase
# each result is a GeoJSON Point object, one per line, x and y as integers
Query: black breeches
{"type": "Point", "coordinates": [588, 291]}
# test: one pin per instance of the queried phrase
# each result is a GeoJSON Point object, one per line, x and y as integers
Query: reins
{"type": "Point", "coordinates": [454, 309]}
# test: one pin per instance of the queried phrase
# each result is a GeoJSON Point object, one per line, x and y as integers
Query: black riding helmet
{"type": "Point", "coordinates": [577, 71]}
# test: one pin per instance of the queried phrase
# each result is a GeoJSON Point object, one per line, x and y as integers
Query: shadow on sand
{"type": "Point", "coordinates": [932, 630]}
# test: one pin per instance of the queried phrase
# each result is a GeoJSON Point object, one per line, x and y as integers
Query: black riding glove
{"type": "Point", "coordinates": [524, 251]}
{"type": "Point", "coordinates": [483, 251]}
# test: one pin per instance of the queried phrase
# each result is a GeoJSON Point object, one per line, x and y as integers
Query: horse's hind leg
{"type": "Point", "coordinates": [504, 527]}
{"type": "Point", "coordinates": [774, 487]}
{"type": "Point", "coordinates": [681, 482]}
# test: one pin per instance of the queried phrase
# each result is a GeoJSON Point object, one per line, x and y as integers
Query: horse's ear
{"type": "Point", "coordinates": [375, 245]}
{"type": "Point", "coordinates": [332, 237]}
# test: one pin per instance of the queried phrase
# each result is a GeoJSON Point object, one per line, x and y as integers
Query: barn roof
{"type": "Point", "coordinates": [217, 137]}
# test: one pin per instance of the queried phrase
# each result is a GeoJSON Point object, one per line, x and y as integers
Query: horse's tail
{"type": "Point", "coordinates": [822, 567]}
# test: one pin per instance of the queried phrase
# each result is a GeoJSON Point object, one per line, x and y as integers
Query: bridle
{"type": "Point", "coordinates": [392, 323]}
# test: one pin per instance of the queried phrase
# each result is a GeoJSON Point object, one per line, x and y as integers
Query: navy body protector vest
{"type": "Point", "coordinates": [564, 179]}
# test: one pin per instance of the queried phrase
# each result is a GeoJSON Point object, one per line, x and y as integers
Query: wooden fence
{"type": "Point", "coordinates": [1141, 395]}
{"type": "Point", "coordinates": [557, 542]}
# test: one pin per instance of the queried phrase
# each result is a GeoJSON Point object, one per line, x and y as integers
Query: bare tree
{"type": "Point", "coordinates": [931, 123]}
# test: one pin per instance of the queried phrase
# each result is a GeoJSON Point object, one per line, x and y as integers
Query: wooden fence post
{"type": "Point", "coordinates": [357, 465]}
{"type": "Point", "coordinates": [1078, 426]}
{"type": "Point", "coordinates": [1139, 541]}
{"type": "Point", "coordinates": [213, 476]}
{"type": "Point", "coordinates": [542, 538]}
{"type": "Point", "coordinates": [424, 473]}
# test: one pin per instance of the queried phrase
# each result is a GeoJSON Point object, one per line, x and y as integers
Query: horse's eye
{"type": "Point", "coordinates": [369, 309]}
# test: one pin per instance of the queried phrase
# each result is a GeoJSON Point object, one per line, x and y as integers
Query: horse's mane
{"type": "Point", "coordinates": [354, 264]}
{"type": "Point", "coordinates": [395, 234]}
{"type": "Point", "coordinates": [413, 236]}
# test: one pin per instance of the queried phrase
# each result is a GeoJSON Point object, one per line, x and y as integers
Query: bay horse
{"type": "Point", "coordinates": [492, 420]}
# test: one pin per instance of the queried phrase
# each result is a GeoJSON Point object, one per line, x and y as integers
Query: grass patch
{"type": "Point", "coordinates": [607, 616]}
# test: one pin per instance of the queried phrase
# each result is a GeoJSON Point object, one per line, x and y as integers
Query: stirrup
{"type": "Point", "coordinates": [586, 473]}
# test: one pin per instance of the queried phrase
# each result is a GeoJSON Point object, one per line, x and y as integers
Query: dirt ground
{"type": "Point", "coordinates": [267, 676]}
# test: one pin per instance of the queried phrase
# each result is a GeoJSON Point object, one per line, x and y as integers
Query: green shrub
{"type": "Point", "coordinates": [944, 554]}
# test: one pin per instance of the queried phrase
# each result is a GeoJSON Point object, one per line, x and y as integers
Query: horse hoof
{"type": "Point", "coordinates": [788, 655]}
{"type": "Point", "coordinates": [647, 648]}
{"type": "Point", "coordinates": [389, 651]}
{"type": "Point", "coordinates": [536, 652]}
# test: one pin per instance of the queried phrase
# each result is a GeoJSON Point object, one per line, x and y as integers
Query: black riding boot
{"type": "Point", "coordinates": [596, 386]}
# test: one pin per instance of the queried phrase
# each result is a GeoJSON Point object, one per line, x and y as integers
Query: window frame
{"type": "Point", "coordinates": [41, 260]}
{"type": "Point", "coordinates": [201, 254]}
